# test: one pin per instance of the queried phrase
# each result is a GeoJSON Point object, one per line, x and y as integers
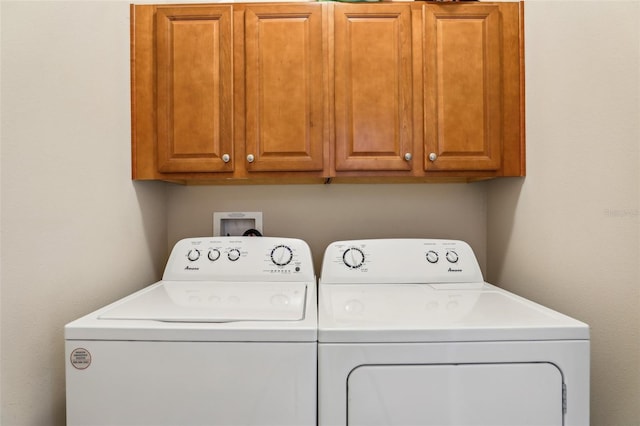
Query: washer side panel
{"type": "Point", "coordinates": [190, 383]}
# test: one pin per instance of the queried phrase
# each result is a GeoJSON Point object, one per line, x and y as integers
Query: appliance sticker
{"type": "Point", "coordinates": [80, 358]}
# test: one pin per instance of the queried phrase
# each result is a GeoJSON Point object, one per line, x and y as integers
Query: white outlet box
{"type": "Point", "coordinates": [236, 223]}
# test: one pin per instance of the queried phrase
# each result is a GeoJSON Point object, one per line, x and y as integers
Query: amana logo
{"type": "Point", "coordinates": [455, 270]}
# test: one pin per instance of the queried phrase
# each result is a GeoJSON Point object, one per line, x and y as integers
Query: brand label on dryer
{"type": "Point", "coordinates": [80, 358]}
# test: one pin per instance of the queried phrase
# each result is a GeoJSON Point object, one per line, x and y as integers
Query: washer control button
{"type": "Point", "coordinates": [233, 255]}
{"type": "Point", "coordinates": [432, 256]}
{"type": "Point", "coordinates": [193, 255]}
{"type": "Point", "coordinates": [213, 255]}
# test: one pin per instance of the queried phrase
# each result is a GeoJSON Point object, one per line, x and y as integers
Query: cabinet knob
{"type": "Point", "coordinates": [433, 156]}
{"type": "Point", "coordinates": [226, 158]}
{"type": "Point", "coordinates": [250, 158]}
{"type": "Point", "coordinates": [408, 156]}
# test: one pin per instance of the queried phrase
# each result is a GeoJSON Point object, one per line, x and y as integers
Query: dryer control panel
{"type": "Point", "coordinates": [388, 261]}
{"type": "Point", "coordinates": [249, 259]}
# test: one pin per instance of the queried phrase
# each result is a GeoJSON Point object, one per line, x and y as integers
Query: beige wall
{"type": "Point", "coordinates": [568, 234]}
{"type": "Point", "coordinates": [69, 211]}
{"type": "Point", "coordinates": [76, 232]}
{"type": "Point", "coordinates": [320, 214]}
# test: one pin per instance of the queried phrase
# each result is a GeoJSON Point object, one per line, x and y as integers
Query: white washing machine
{"type": "Point", "coordinates": [410, 334]}
{"type": "Point", "coordinates": [228, 337]}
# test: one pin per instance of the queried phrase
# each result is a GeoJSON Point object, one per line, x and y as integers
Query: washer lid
{"type": "Point", "coordinates": [214, 302]}
{"type": "Point", "coordinates": [436, 313]}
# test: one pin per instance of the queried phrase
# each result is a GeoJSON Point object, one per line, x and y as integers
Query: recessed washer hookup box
{"type": "Point", "coordinates": [236, 223]}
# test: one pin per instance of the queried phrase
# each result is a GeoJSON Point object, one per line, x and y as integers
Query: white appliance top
{"type": "Point", "coordinates": [217, 288]}
{"type": "Point", "coordinates": [423, 290]}
{"type": "Point", "coordinates": [204, 301]}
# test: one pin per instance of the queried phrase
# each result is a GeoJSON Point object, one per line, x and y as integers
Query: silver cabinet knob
{"type": "Point", "coordinates": [250, 158]}
{"type": "Point", "coordinates": [226, 158]}
{"type": "Point", "coordinates": [408, 156]}
{"type": "Point", "coordinates": [433, 156]}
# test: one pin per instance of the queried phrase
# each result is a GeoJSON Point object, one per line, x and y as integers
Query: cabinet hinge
{"type": "Point", "coordinates": [564, 398]}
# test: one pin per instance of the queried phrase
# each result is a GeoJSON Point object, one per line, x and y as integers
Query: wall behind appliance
{"type": "Point", "coordinates": [320, 214]}
{"type": "Point", "coordinates": [568, 234]}
{"type": "Point", "coordinates": [76, 232]}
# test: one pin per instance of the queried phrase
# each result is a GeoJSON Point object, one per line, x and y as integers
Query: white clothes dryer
{"type": "Point", "coordinates": [228, 337]}
{"type": "Point", "coordinates": [410, 334]}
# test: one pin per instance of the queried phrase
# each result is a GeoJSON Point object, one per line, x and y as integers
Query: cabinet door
{"type": "Point", "coordinates": [194, 89]}
{"type": "Point", "coordinates": [462, 89]}
{"type": "Point", "coordinates": [373, 86]}
{"type": "Point", "coordinates": [284, 87]}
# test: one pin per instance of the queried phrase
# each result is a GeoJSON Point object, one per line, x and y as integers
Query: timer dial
{"type": "Point", "coordinates": [353, 257]}
{"type": "Point", "coordinates": [281, 255]}
{"type": "Point", "coordinates": [452, 256]}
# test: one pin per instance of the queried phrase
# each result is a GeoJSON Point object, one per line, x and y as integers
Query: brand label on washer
{"type": "Point", "coordinates": [80, 358]}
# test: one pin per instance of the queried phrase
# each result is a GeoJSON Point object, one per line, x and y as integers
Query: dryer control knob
{"type": "Point", "coordinates": [452, 256]}
{"type": "Point", "coordinates": [353, 257]}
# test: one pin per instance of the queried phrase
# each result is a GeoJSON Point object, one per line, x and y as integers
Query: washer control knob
{"type": "Point", "coordinates": [433, 156]}
{"type": "Point", "coordinates": [193, 255]}
{"type": "Point", "coordinates": [452, 256]}
{"type": "Point", "coordinates": [213, 255]}
{"type": "Point", "coordinates": [251, 158]}
{"type": "Point", "coordinates": [226, 158]}
{"type": "Point", "coordinates": [353, 257]}
{"type": "Point", "coordinates": [281, 255]}
{"type": "Point", "coordinates": [233, 255]}
{"type": "Point", "coordinates": [432, 256]}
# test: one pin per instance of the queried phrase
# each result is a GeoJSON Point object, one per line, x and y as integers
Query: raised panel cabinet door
{"type": "Point", "coordinates": [462, 87]}
{"type": "Point", "coordinates": [284, 87]}
{"type": "Point", "coordinates": [373, 87]}
{"type": "Point", "coordinates": [194, 92]}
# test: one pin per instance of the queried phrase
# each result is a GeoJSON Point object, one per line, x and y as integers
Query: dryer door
{"type": "Point", "coordinates": [512, 394]}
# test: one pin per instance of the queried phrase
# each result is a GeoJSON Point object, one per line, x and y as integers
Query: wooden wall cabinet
{"type": "Point", "coordinates": [473, 88]}
{"type": "Point", "coordinates": [285, 97]}
{"type": "Point", "coordinates": [373, 87]}
{"type": "Point", "coordinates": [194, 89]}
{"type": "Point", "coordinates": [223, 91]}
{"type": "Point", "coordinates": [305, 92]}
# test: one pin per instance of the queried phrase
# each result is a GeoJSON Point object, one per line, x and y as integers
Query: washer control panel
{"type": "Point", "coordinates": [240, 259]}
{"type": "Point", "coordinates": [400, 261]}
